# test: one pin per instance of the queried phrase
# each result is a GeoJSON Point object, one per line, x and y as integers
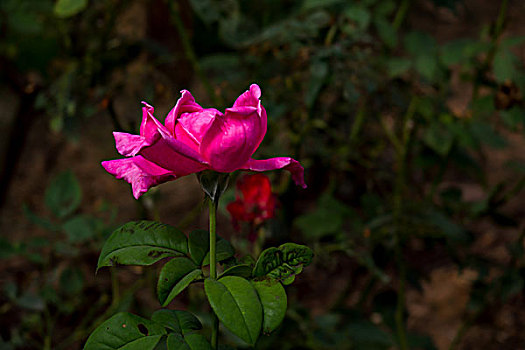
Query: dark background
{"type": "Point", "coordinates": [407, 115]}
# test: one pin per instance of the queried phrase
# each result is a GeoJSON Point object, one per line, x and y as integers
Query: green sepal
{"type": "Point", "coordinates": [213, 183]}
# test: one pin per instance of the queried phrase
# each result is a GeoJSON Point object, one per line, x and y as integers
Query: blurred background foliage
{"type": "Point", "coordinates": [407, 115]}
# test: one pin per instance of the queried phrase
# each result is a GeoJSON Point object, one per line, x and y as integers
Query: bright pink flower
{"type": "Point", "coordinates": [195, 139]}
{"type": "Point", "coordinates": [255, 201]}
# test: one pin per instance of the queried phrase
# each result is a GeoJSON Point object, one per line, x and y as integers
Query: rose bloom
{"type": "Point", "coordinates": [255, 201]}
{"type": "Point", "coordinates": [194, 139]}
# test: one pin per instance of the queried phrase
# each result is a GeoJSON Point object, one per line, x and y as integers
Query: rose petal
{"type": "Point", "coordinates": [139, 172]}
{"type": "Point", "coordinates": [154, 133]}
{"type": "Point", "coordinates": [286, 163]}
{"type": "Point", "coordinates": [128, 144]}
{"type": "Point", "coordinates": [165, 154]}
{"type": "Point", "coordinates": [180, 147]}
{"type": "Point", "coordinates": [185, 104]}
{"type": "Point", "coordinates": [233, 137]}
{"type": "Point", "coordinates": [249, 97]}
{"type": "Point", "coordinates": [149, 125]}
{"type": "Point", "coordinates": [191, 127]}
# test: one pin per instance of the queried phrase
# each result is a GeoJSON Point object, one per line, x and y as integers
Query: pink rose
{"type": "Point", "coordinates": [195, 139]}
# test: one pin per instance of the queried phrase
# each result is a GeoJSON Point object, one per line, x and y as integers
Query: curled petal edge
{"type": "Point", "coordinates": [185, 104]}
{"type": "Point", "coordinates": [128, 144]}
{"type": "Point", "coordinates": [139, 172]}
{"type": "Point", "coordinates": [286, 163]}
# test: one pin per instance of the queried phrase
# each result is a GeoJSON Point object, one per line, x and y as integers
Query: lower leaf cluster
{"type": "Point", "coordinates": [248, 297]}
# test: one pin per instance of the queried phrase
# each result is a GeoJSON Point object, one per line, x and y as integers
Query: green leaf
{"type": "Point", "coordinates": [426, 65]}
{"type": "Point", "coordinates": [187, 342]}
{"type": "Point", "coordinates": [71, 281]}
{"type": "Point", "coordinates": [397, 66]}
{"type": "Point", "coordinates": [318, 74]}
{"type": "Point", "coordinates": [6, 248]}
{"type": "Point", "coordinates": [174, 277]}
{"type": "Point", "coordinates": [313, 4]}
{"type": "Point", "coordinates": [68, 8]}
{"type": "Point", "coordinates": [242, 270]}
{"type": "Point", "coordinates": [197, 342]}
{"type": "Point", "coordinates": [327, 219]}
{"type": "Point", "coordinates": [460, 50]}
{"type": "Point", "coordinates": [284, 262]}
{"type": "Point", "coordinates": [513, 117]}
{"type": "Point", "coordinates": [236, 304]}
{"type": "Point", "coordinates": [39, 221]}
{"type": "Point", "coordinates": [418, 43]}
{"type": "Point", "coordinates": [438, 138]}
{"type": "Point", "coordinates": [487, 134]}
{"type": "Point", "coordinates": [366, 335]}
{"type": "Point", "coordinates": [359, 14]}
{"type": "Point", "coordinates": [198, 245]}
{"type": "Point", "coordinates": [80, 228]}
{"type": "Point", "coordinates": [386, 32]}
{"type": "Point", "coordinates": [63, 195]}
{"type": "Point", "coordinates": [447, 227]}
{"type": "Point", "coordinates": [178, 321]}
{"type": "Point", "coordinates": [224, 251]}
{"type": "Point", "coordinates": [274, 302]}
{"type": "Point", "coordinates": [142, 243]}
{"type": "Point", "coordinates": [504, 65]}
{"type": "Point", "coordinates": [125, 331]}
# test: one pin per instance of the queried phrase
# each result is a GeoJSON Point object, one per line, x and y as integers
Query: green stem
{"type": "Point", "coordinates": [49, 328]}
{"type": "Point", "coordinates": [213, 267]}
{"type": "Point", "coordinates": [501, 18]}
{"type": "Point", "coordinates": [400, 307]}
{"type": "Point", "coordinates": [358, 122]}
{"type": "Point", "coordinates": [400, 14]}
{"type": "Point", "coordinates": [400, 185]}
{"type": "Point", "coordinates": [259, 242]}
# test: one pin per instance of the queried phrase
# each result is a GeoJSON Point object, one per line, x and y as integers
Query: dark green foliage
{"type": "Point", "coordinates": [142, 243]}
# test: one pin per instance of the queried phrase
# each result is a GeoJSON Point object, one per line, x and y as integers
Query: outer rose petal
{"type": "Point", "coordinates": [286, 163]}
{"type": "Point", "coordinates": [149, 125]}
{"type": "Point", "coordinates": [185, 104]}
{"type": "Point", "coordinates": [250, 97]}
{"type": "Point", "coordinates": [233, 137]}
{"type": "Point", "coordinates": [173, 155]}
{"type": "Point", "coordinates": [139, 172]}
{"type": "Point", "coordinates": [129, 144]}
{"type": "Point", "coordinates": [155, 136]}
